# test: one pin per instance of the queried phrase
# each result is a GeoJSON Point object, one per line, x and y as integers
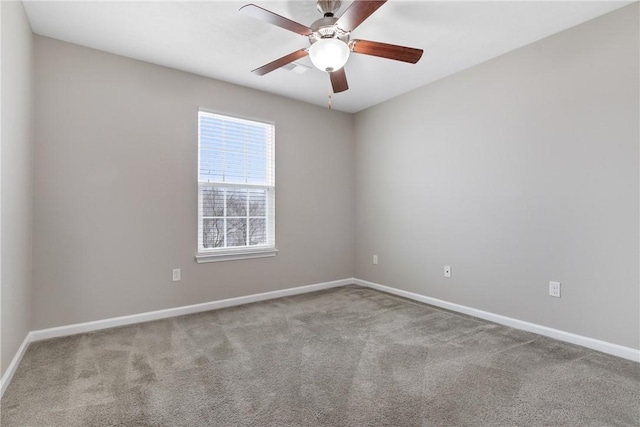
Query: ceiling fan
{"type": "Point", "coordinates": [329, 38]}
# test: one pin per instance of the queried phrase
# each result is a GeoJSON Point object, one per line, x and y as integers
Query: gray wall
{"type": "Point", "coordinates": [518, 171]}
{"type": "Point", "coordinates": [17, 183]}
{"type": "Point", "coordinates": [115, 188]}
{"type": "Point", "coordinates": [515, 172]}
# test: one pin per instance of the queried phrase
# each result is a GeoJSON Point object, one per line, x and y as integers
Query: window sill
{"type": "Point", "coordinates": [235, 255]}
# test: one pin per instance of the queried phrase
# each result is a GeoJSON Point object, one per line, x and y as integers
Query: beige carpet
{"type": "Point", "coordinates": [343, 357]}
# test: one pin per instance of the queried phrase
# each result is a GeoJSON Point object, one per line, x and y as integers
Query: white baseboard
{"type": "Point", "coordinates": [11, 369]}
{"type": "Point", "coordinates": [79, 328]}
{"type": "Point", "coordinates": [603, 346]}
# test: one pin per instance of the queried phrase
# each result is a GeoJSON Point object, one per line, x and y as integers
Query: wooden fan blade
{"type": "Point", "coordinates": [357, 13]}
{"type": "Point", "coordinates": [275, 19]}
{"type": "Point", "coordinates": [280, 62]}
{"type": "Point", "coordinates": [339, 80]}
{"type": "Point", "coordinates": [384, 50]}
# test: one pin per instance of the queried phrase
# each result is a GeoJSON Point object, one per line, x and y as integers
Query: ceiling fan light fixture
{"type": "Point", "coordinates": [329, 54]}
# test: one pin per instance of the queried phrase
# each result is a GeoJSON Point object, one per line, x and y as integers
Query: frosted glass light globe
{"type": "Point", "coordinates": [329, 54]}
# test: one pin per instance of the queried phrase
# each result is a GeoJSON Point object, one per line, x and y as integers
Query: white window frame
{"type": "Point", "coordinates": [203, 254]}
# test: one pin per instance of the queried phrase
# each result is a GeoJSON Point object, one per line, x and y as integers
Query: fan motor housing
{"type": "Point", "coordinates": [328, 7]}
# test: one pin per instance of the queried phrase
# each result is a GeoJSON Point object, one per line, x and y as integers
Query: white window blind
{"type": "Point", "coordinates": [236, 186]}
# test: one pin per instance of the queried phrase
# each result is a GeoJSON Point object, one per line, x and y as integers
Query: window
{"type": "Point", "coordinates": [236, 188]}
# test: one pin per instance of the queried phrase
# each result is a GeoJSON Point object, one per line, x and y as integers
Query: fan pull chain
{"type": "Point", "coordinates": [329, 100]}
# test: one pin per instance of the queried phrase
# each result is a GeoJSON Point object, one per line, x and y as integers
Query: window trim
{"type": "Point", "coordinates": [243, 252]}
{"type": "Point", "coordinates": [235, 254]}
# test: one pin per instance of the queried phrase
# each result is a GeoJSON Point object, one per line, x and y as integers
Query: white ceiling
{"type": "Point", "coordinates": [212, 39]}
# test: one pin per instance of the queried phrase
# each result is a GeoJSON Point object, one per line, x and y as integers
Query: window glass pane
{"type": "Point", "coordinates": [233, 150]}
{"type": "Point", "coordinates": [212, 201]}
{"type": "Point", "coordinates": [210, 165]}
{"type": "Point", "coordinates": [236, 202]}
{"type": "Point", "coordinates": [257, 202]}
{"type": "Point", "coordinates": [213, 233]}
{"type": "Point", "coordinates": [235, 167]}
{"type": "Point", "coordinates": [257, 231]}
{"type": "Point", "coordinates": [237, 232]}
{"type": "Point", "coordinates": [257, 171]}
{"type": "Point", "coordinates": [211, 147]}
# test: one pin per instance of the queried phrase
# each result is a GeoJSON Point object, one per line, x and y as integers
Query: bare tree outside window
{"type": "Point", "coordinates": [244, 213]}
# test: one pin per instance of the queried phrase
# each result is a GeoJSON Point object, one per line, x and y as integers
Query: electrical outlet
{"type": "Point", "coordinates": [176, 274]}
{"type": "Point", "coordinates": [447, 271]}
{"type": "Point", "coordinates": [375, 259]}
{"type": "Point", "coordinates": [554, 289]}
